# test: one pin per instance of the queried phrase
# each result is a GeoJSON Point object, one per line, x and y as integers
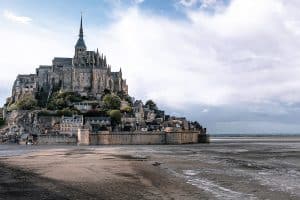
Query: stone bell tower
{"type": "Point", "coordinates": [82, 74]}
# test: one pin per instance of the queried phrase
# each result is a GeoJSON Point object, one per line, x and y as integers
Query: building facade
{"type": "Point", "coordinates": [70, 125]}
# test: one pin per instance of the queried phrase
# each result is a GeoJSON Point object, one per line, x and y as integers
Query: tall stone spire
{"type": "Point", "coordinates": [80, 45]}
{"type": "Point", "coordinates": [81, 29]}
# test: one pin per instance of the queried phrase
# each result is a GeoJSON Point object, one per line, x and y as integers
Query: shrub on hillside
{"type": "Point", "coordinates": [112, 101]}
{"type": "Point", "coordinates": [25, 103]}
{"type": "Point", "coordinates": [61, 100]}
{"type": "Point", "coordinates": [67, 112]}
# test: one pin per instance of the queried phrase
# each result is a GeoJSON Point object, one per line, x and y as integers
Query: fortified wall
{"type": "Point", "coordinates": [56, 140]}
{"type": "Point", "coordinates": [136, 138]}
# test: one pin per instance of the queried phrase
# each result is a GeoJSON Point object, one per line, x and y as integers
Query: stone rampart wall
{"type": "Point", "coordinates": [138, 138]}
{"type": "Point", "coordinates": [182, 137]}
{"type": "Point", "coordinates": [127, 138]}
{"type": "Point", "coordinates": [56, 139]}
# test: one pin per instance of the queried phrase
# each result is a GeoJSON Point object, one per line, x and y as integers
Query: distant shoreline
{"type": "Point", "coordinates": [256, 135]}
{"type": "Point", "coordinates": [255, 139]}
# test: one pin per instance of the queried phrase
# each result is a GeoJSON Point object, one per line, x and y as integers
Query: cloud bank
{"type": "Point", "coordinates": [246, 53]}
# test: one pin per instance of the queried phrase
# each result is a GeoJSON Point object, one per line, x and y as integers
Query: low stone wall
{"type": "Point", "coordinates": [137, 138]}
{"type": "Point", "coordinates": [56, 139]}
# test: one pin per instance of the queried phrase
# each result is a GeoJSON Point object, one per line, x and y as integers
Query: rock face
{"type": "Point", "coordinates": [20, 121]}
{"type": "Point", "coordinates": [86, 73]}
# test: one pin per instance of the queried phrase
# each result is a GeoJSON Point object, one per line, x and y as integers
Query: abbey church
{"type": "Point", "coordinates": [87, 73]}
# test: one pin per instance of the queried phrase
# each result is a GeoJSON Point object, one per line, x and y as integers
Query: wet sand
{"type": "Point", "coordinates": [258, 169]}
{"type": "Point", "coordinates": [88, 173]}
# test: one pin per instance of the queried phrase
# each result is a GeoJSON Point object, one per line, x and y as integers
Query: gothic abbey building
{"type": "Point", "coordinates": [86, 73]}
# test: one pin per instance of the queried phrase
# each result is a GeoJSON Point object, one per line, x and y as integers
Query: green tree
{"type": "Point", "coordinates": [151, 104]}
{"type": "Point", "coordinates": [128, 99]}
{"type": "Point", "coordinates": [61, 100]}
{"type": "Point", "coordinates": [57, 101]}
{"type": "Point", "coordinates": [112, 101]}
{"type": "Point", "coordinates": [115, 116]}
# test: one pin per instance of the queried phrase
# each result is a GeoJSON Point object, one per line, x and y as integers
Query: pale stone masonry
{"type": "Point", "coordinates": [87, 73]}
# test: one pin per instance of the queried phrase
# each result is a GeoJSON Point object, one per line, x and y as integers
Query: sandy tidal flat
{"type": "Point", "coordinates": [221, 170]}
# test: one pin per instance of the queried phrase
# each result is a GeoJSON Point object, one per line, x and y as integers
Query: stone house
{"type": "Point", "coordinates": [138, 110]}
{"type": "Point", "coordinates": [84, 106]}
{"type": "Point", "coordinates": [128, 123]}
{"type": "Point", "coordinates": [98, 123]}
{"type": "Point", "coordinates": [70, 125]}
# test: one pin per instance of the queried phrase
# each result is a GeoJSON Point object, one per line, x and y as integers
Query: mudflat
{"type": "Point", "coordinates": [225, 169]}
{"type": "Point", "coordinates": [88, 173]}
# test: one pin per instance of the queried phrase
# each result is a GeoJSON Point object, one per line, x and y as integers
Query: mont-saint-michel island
{"type": "Point", "coordinates": [149, 100]}
{"type": "Point", "coordinates": [80, 100]}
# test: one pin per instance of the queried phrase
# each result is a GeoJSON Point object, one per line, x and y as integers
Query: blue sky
{"type": "Point", "coordinates": [232, 65]}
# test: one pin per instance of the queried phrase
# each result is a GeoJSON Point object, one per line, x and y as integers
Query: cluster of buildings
{"type": "Point", "coordinates": [142, 118]}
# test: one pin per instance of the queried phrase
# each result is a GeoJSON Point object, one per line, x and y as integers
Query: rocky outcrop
{"type": "Point", "coordinates": [21, 121]}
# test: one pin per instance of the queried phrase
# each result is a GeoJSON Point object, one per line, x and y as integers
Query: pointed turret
{"type": "Point", "coordinates": [120, 75]}
{"type": "Point", "coordinates": [105, 63]}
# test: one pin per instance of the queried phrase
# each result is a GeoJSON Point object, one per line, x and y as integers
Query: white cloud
{"type": "Point", "coordinates": [15, 18]}
{"type": "Point", "coordinates": [188, 3]}
{"type": "Point", "coordinates": [202, 4]}
{"type": "Point", "coordinates": [208, 3]}
{"type": "Point", "coordinates": [139, 1]}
